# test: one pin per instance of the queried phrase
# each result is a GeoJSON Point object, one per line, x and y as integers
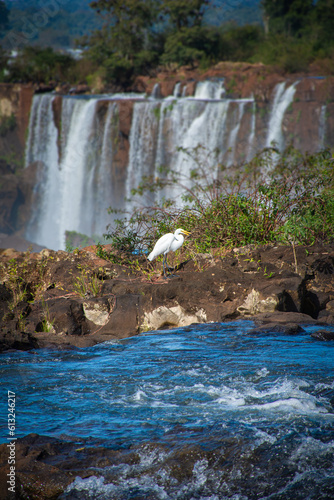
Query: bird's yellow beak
{"type": "Point", "coordinates": [185, 232]}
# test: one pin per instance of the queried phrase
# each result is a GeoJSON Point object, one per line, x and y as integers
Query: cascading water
{"type": "Point", "coordinates": [251, 146]}
{"type": "Point", "coordinates": [234, 134]}
{"type": "Point", "coordinates": [78, 178]}
{"type": "Point", "coordinates": [75, 183]}
{"type": "Point", "coordinates": [164, 131]}
{"type": "Point", "coordinates": [322, 127]}
{"type": "Point", "coordinates": [282, 100]}
{"type": "Point", "coordinates": [43, 227]}
{"type": "Point", "coordinates": [210, 89]}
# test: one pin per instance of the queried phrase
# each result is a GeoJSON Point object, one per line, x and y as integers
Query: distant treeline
{"type": "Point", "coordinates": [138, 36]}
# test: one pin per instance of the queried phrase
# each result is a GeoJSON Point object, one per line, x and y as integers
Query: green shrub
{"type": "Point", "coordinates": [276, 197]}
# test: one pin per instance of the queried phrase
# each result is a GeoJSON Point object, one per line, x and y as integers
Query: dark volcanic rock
{"type": "Point", "coordinates": [45, 466]}
{"type": "Point", "coordinates": [287, 318]}
{"type": "Point", "coordinates": [77, 299]}
{"type": "Point", "coordinates": [272, 328]}
{"type": "Point", "coordinates": [323, 335]}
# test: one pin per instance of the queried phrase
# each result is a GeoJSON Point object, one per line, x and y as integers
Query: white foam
{"type": "Point", "coordinates": [148, 456]}
{"type": "Point", "coordinates": [264, 437]}
{"type": "Point", "coordinates": [93, 484]}
{"type": "Point", "coordinates": [200, 472]}
{"type": "Point", "coordinates": [262, 372]}
{"type": "Point", "coordinates": [97, 488]}
{"type": "Point", "coordinates": [311, 448]}
{"type": "Point", "coordinates": [288, 404]}
{"type": "Point", "coordinates": [139, 395]}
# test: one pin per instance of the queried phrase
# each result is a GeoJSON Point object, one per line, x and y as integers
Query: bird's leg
{"type": "Point", "coordinates": [169, 269]}
{"type": "Point", "coordinates": [163, 266]}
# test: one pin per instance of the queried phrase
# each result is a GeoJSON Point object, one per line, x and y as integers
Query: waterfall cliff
{"type": "Point", "coordinates": [92, 151]}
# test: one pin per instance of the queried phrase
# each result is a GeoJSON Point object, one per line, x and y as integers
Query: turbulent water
{"type": "Point", "coordinates": [212, 411]}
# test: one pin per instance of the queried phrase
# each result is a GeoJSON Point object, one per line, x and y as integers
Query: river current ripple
{"type": "Point", "coordinates": [212, 411]}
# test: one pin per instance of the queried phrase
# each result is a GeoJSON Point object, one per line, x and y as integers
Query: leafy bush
{"type": "Point", "coordinates": [276, 197]}
{"type": "Point", "coordinates": [290, 54]}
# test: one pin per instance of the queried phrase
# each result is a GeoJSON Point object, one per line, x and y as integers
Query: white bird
{"type": "Point", "coordinates": [169, 242]}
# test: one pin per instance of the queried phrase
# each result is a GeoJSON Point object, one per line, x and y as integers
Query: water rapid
{"type": "Point", "coordinates": [210, 411]}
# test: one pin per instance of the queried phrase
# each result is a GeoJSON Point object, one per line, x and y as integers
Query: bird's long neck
{"type": "Point", "coordinates": [179, 238]}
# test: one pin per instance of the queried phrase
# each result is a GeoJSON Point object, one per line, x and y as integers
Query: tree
{"type": "Point", "coordinates": [184, 13]}
{"type": "Point", "coordinates": [137, 32]}
{"type": "Point", "coordinates": [125, 44]}
{"type": "Point", "coordinates": [187, 41]}
{"type": "Point", "coordinates": [288, 17]}
{"type": "Point", "coordinates": [129, 22]}
{"type": "Point", "coordinates": [324, 19]}
{"type": "Point", "coordinates": [39, 65]}
{"type": "Point", "coordinates": [188, 46]}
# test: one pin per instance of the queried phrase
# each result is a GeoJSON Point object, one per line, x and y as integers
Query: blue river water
{"type": "Point", "coordinates": [213, 411]}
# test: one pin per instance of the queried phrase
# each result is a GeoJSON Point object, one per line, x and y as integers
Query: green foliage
{"type": "Point", "coordinates": [288, 17]}
{"type": "Point", "coordinates": [136, 36]}
{"type": "Point", "coordinates": [184, 13]}
{"type": "Point", "coordinates": [290, 54]}
{"type": "Point", "coordinates": [276, 197]}
{"type": "Point", "coordinates": [124, 238]}
{"type": "Point", "coordinates": [238, 43]}
{"type": "Point", "coordinates": [74, 240]}
{"type": "Point", "coordinates": [299, 32]}
{"type": "Point", "coordinates": [46, 324]}
{"type": "Point", "coordinates": [188, 46]}
{"type": "Point", "coordinates": [174, 32]}
{"type": "Point", "coordinates": [125, 44]}
{"type": "Point", "coordinates": [87, 283]}
{"type": "Point", "coordinates": [39, 64]}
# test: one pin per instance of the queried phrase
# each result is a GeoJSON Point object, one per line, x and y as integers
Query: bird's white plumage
{"type": "Point", "coordinates": [169, 242]}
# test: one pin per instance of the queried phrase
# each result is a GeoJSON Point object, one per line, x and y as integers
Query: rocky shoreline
{"type": "Point", "coordinates": [61, 299]}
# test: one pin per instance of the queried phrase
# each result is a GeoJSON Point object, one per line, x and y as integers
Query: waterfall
{"type": "Point", "coordinates": [75, 188]}
{"type": "Point", "coordinates": [194, 126]}
{"type": "Point", "coordinates": [162, 133]}
{"type": "Point", "coordinates": [282, 100]}
{"type": "Point", "coordinates": [89, 160]}
{"type": "Point", "coordinates": [234, 134]}
{"type": "Point", "coordinates": [251, 146]}
{"type": "Point", "coordinates": [156, 93]}
{"type": "Point", "coordinates": [142, 143]}
{"type": "Point", "coordinates": [177, 90]}
{"type": "Point", "coordinates": [42, 147]}
{"type": "Point", "coordinates": [322, 127]}
{"type": "Point", "coordinates": [210, 89]}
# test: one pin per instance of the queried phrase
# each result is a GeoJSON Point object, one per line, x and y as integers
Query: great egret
{"type": "Point", "coordinates": [169, 242]}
